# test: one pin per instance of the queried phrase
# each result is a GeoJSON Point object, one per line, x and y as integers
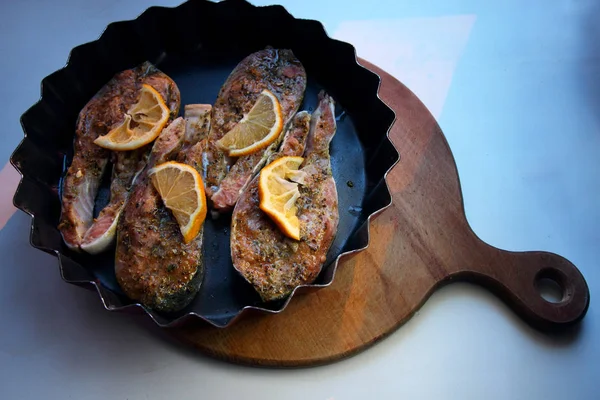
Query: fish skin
{"type": "Point", "coordinates": [277, 70]}
{"type": "Point", "coordinates": [152, 263]}
{"type": "Point", "coordinates": [105, 110]}
{"type": "Point", "coordinates": [273, 263]}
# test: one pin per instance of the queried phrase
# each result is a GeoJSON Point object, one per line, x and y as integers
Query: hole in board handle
{"type": "Point", "coordinates": [551, 285]}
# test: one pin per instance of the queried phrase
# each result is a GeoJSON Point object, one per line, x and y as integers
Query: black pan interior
{"type": "Point", "coordinates": [190, 44]}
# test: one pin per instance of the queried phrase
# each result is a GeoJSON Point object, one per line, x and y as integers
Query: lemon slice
{"type": "Point", "coordinates": [256, 130]}
{"type": "Point", "coordinates": [278, 195]}
{"type": "Point", "coordinates": [181, 189]}
{"type": "Point", "coordinates": [143, 123]}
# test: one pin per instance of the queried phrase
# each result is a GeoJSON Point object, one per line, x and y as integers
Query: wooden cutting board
{"type": "Point", "coordinates": [418, 244]}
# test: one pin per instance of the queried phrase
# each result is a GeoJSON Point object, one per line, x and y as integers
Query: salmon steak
{"type": "Point", "coordinates": [273, 263]}
{"type": "Point", "coordinates": [80, 186]}
{"type": "Point", "coordinates": [276, 70]}
{"type": "Point", "coordinates": [153, 265]}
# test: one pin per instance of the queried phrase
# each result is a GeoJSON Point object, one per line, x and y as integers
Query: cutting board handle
{"type": "Point", "coordinates": [516, 278]}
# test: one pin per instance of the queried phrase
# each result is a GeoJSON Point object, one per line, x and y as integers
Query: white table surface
{"type": "Point", "coordinates": [515, 86]}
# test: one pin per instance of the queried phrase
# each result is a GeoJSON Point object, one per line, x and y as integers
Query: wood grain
{"type": "Point", "coordinates": [418, 244]}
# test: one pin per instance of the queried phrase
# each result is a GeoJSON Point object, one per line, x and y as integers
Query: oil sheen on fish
{"type": "Point", "coordinates": [277, 70]}
{"type": "Point", "coordinates": [80, 186]}
{"type": "Point", "coordinates": [273, 263]}
{"type": "Point", "coordinates": [152, 264]}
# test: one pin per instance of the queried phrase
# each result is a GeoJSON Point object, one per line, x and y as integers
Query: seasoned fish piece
{"type": "Point", "coordinates": [276, 70]}
{"type": "Point", "coordinates": [127, 166]}
{"type": "Point", "coordinates": [239, 176]}
{"type": "Point", "coordinates": [153, 265]}
{"type": "Point", "coordinates": [197, 119]}
{"type": "Point", "coordinates": [80, 187]}
{"type": "Point", "coordinates": [273, 263]}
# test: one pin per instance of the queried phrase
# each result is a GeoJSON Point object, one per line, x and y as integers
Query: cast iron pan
{"type": "Point", "coordinates": [198, 44]}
